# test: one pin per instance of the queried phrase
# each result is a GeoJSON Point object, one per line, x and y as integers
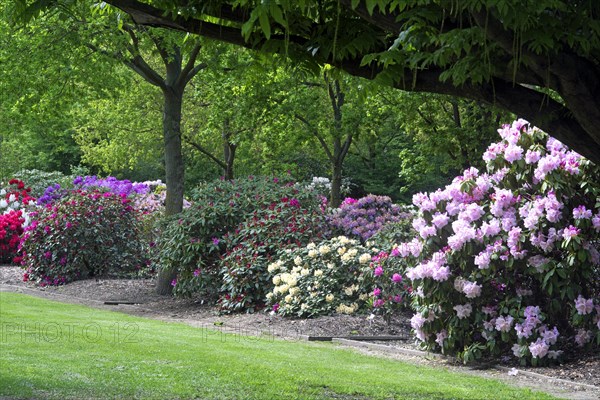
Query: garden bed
{"type": "Point", "coordinates": [138, 297]}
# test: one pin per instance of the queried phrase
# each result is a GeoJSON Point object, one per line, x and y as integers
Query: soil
{"type": "Point", "coordinates": [578, 377]}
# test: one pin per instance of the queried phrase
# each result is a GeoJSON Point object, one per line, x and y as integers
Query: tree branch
{"type": "Point", "coordinates": [139, 65]}
{"type": "Point", "coordinates": [207, 153]}
{"type": "Point", "coordinates": [315, 132]}
{"type": "Point", "coordinates": [189, 71]}
{"type": "Point", "coordinates": [571, 124]}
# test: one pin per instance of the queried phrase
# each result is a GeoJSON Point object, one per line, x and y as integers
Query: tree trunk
{"type": "Point", "coordinates": [229, 159]}
{"type": "Point", "coordinates": [336, 184]}
{"type": "Point", "coordinates": [228, 151]}
{"type": "Point", "coordinates": [174, 170]}
{"type": "Point", "coordinates": [336, 96]}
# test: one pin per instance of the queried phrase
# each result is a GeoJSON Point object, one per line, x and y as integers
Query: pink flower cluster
{"type": "Point", "coordinates": [505, 234]}
{"type": "Point", "coordinates": [434, 268]}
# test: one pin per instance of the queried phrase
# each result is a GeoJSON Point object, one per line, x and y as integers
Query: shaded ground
{"type": "Point", "coordinates": [572, 380]}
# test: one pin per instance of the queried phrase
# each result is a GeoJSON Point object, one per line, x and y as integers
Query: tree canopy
{"type": "Point", "coordinates": [539, 60]}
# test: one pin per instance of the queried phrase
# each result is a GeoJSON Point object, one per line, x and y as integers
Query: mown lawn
{"type": "Point", "coordinates": [61, 351]}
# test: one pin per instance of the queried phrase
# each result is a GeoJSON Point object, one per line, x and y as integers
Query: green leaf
{"type": "Point", "coordinates": [265, 24]}
{"type": "Point", "coordinates": [277, 15]}
{"type": "Point", "coordinates": [371, 6]}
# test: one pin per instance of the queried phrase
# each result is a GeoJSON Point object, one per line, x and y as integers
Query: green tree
{"type": "Point", "coordinates": [120, 134]}
{"type": "Point", "coordinates": [538, 60]}
{"type": "Point", "coordinates": [333, 132]}
{"type": "Point", "coordinates": [229, 106]}
{"type": "Point", "coordinates": [40, 76]}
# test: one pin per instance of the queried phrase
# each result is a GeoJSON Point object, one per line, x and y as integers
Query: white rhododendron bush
{"type": "Point", "coordinates": [318, 279]}
{"type": "Point", "coordinates": [506, 262]}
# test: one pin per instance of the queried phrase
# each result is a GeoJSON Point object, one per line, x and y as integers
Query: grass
{"type": "Point", "coordinates": [54, 350]}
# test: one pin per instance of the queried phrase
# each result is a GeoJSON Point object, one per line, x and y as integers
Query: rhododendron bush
{"type": "Point", "coordinates": [11, 229]}
{"type": "Point", "coordinates": [222, 244]}
{"type": "Point", "coordinates": [332, 275]}
{"type": "Point", "coordinates": [84, 234]}
{"type": "Point", "coordinates": [506, 261]}
{"type": "Point", "coordinates": [265, 233]}
{"type": "Point", "coordinates": [366, 216]}
{"type": "Point", "coordinates": [13, 203]}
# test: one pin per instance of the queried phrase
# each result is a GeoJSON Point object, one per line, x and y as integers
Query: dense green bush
{"type": "Point", "coordinates": [265, 233]}
{"type": "Point", "coordinates": [192, 242]}
{"type": "Point", "coordinates": [81, 235]}
{"type": "Point", "coordinates": [393, 233]}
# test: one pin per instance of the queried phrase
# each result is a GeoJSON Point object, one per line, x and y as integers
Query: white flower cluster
{"type": "Point", "coordinates": [11, 203]}
{"type": "Point", "coordinates": [320, 278]}
{"type": "Point", "coordinates": [346, 309]}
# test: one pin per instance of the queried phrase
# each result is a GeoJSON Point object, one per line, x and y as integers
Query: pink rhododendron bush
{"type": "Point", "coordinates": [506, 262]}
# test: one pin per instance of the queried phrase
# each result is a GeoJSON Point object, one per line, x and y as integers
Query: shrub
{"type": "Point", "coordinates": [124, 187]}
{"type": "Point", "coordinates": [189, 243]}
{"type": "Point", "coordinates": [391, 292]}
{"type": "Point", "coordinates": [193, 241]}
{"type": "Point", "coordinates": [15, 197]}
{"type": "Point", "coordinates": [364, 217]}
{"type": "Point", "coordinates": [11, 229]}
{"type": "Point", "coordinates": [322, 186]}
{"type": "Point", "coordinates": [51, 194]}
{"type": "Point", "coordinates": [393, 233]}
{"type": "Point", "coordinates": [81, 235]}
{"type": "Point", "coordinates": [333, 276]}
{"type": "Point", "coordinates": [148, 196]}
{"type": "Point", "coordinates": [38, 180]}
{"type": "Point", "coordinates": [262, 235]}
{"type": "Point", "coordinates": [507, 261]}
{"type": "Point", "coordinates": [13, 203]}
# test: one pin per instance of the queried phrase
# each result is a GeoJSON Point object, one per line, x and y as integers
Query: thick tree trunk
{"type": "Point", "coordinates": [336, 96]}
{"type": "Point", "coordinates": [174, 170]}
{"type": "Point", "coordinates": [336, 184]}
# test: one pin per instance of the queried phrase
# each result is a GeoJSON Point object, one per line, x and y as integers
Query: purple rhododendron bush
{"type": "Point", "coordinates": [506, 262]}
{"type": "Point", "coordinates": [362, 218]}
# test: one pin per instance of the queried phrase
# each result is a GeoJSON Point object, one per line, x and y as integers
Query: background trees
{"type": "Point", "coordinates": [539, 61]}
{"type": "Point", "coordinates": [81, 95]}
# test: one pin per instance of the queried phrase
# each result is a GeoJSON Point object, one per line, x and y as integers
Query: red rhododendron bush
{"type": "Point", "coordinates": [506, 261]}
{"type": "Point", "coordinates": [13, 217]}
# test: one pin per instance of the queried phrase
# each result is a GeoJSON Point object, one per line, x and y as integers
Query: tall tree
{"type": "Point", "coordinates": [332, 131]}
{"type": "Point", "coordinates": [539, 60]}
{"type": "Point", "coordinates": [180, 64]}
{"type": "Point", "coordinates": [120, 134]}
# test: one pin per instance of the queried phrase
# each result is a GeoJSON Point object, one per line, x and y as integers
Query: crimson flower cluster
{"type": "Point", "coordinates": [11, 229]}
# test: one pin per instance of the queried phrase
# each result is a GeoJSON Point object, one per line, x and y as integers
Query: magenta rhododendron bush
{"type": "Point", "coordinates": [83, 234]}
{"type": "Point", "coordinates": [506, 262]}
{"type": "Point", "coordinates": [13, 217]}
